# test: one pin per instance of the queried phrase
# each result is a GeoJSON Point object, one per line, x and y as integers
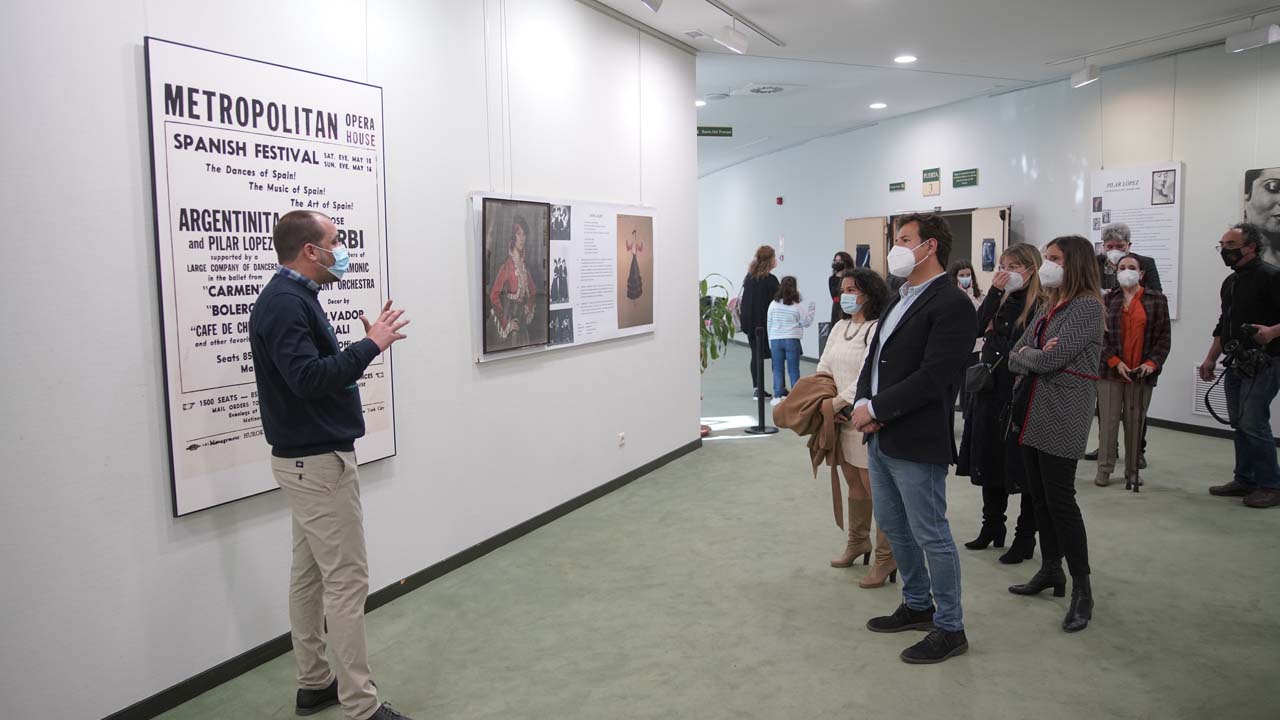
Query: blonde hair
{"type": "Point", "coordinates": [762, 263]}
{"type": "Point", "coordinates": [1026, 255]}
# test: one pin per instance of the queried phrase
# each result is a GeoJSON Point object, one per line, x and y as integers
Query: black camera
{"type": "Point", "coordinates": [1244, 354]}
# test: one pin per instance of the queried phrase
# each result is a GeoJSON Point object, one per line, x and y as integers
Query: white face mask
{"type": "Point", "coordinates": [1127, 278]}
{"type": "Point", "coordinates": [902, 260]}
{"type": "Point", "coordinates": [1051, 274]}
{"type": "Point", "coordinates": [1014, 283]}
{"type": "Point", "coordinates": [1115, 256]}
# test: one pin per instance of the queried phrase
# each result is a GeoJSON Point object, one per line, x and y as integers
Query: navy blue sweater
{"type": "Point", "coordinates": [307, 389]}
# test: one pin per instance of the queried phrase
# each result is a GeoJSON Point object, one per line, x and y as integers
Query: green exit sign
{"type": "Point", "coordinates": [964, 178]}
{"type": "Point", "coordinates": [898, 186]}
{"type": "Point", "coordinates": [712, 131]}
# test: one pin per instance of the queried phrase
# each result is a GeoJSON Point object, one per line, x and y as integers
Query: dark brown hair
{"type": "Point", "coordinates": [762, 263]}
{"type": "Point", "coordinates": [296, 229]}
{"type": "Point", "coordinates": [953, 273]}
{"type": "Point", "coordinates": [931, 226]}
{"type": "Point", "coordinates": [788, 293]}
{"type": "Point", "coordinates": [875, 292]}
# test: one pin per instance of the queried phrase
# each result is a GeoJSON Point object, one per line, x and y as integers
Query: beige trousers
{"type": "Point", "coordinates": [1121, 403]}
{"type": "Point", "coordinates": [330, 576]}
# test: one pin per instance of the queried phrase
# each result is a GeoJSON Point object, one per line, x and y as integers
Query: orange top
{"type": "Point", "coordinates": [1133, 333]}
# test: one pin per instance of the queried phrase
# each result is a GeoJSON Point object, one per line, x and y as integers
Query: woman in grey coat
{"type": "Point", "coordinates": [1058, 359]}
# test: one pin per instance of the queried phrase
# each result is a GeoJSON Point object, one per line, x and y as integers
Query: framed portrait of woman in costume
{"type": "Point", "coordinates": [517, 237]}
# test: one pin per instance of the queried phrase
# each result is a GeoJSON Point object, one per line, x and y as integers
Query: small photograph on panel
{"type": "Point", "coordinates": [988, 254]}
{"type": "Point", "coordinates": [1262, 208]}
{"type": "Point", "coordinates": [635, 271]}
{"type": "Point", "coordinates": [1097, 223]}
{"type": "Point", "coordinates": [562, 327]}
{"type": "Point", "coordinates": [559, 275]}
{"type": "Point", "coordinates": [1097, 204]}
{"type": "Point", "coordinates": [560, 215]}
{"type": "Point", "coordinates": [862, 256]}
{"type": "Point", "coordinates": [1106, 217]}
{"type": "Point", "coordinates": [1163, 187]}
{"type": "Point", "coordinates": [516, 248]}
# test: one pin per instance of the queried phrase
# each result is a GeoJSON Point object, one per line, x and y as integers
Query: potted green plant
{"type": "Point", "coordinates": [716, 323]}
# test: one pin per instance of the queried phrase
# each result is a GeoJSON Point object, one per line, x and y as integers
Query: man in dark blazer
{"type": "Point", "coordinates": [905, 405]}
{"type": "Point", "coordinates": [1115, 245]}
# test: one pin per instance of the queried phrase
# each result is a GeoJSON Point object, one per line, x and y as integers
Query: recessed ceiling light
{"type": "Point", "coordinates": [877, 106]}
{"type": "Point", "coordinates": [699, 103]}
{"type": "Point", "coordinates": [905, 59]}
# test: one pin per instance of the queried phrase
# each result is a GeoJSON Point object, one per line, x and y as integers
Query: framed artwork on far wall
{"type": "Point", "coordinates": [517, 244]}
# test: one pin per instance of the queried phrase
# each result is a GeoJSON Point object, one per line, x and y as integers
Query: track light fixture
{"type": "Point", "coordinates": [652, 4]}
{"type": "Point", "coordinates": [729, 38]}
{"type": "Point", "coordinates": [1084, 76]}
{"type": "Point", "coordinates": [1251, 39]}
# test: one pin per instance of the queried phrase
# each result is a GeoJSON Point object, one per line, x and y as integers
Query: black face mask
{"type": "Point", "coordinates": [1231, 256]}
{"type": "Point", "coordinates": [837, 265]}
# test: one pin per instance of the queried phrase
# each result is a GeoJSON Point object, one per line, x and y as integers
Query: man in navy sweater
{"type": "Point", "coordinates": [311, 415]}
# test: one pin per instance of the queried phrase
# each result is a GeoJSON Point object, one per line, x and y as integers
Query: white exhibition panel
{"type": "Point", "coordinates": [129, 600]}
{"type": "Point", "coordinates": [1149, 200]}
{"type": "Point", "coordinates": [236, 143]}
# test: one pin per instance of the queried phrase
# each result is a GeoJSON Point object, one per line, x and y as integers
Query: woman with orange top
{"type": "Point", "coordinates": [1134, 349]}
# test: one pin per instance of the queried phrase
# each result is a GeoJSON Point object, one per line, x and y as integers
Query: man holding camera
{"type": "Point", "coordinates": [1248, 331]}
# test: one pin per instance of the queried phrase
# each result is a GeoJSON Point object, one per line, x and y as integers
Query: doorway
{"type": "Point", "coordinates": [980, 234]}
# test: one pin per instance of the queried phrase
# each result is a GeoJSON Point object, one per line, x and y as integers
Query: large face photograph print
{"type": "Point", "coordinates": [1262, 208]}
{"type": "Point", "coordinates": [516, 247]}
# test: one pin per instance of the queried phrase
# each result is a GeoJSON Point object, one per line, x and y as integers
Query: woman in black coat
{"type": "Point", "coordinates": [758, 290]}
{"type": "Point", "coordinates": [991, 461]}
{"type": "Point", "coordinates": [841, 262]}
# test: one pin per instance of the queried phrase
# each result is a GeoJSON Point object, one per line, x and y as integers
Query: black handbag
{"type": "Point", "coordinates": [979, 378]}
{"type": "Point", "coordinates": [1015, 411]}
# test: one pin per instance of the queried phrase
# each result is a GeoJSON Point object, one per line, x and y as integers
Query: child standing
{"type": "Point", "coordinates": [785, 326]}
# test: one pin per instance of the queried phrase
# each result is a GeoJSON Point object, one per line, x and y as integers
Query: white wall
{"type": "Point", "coordinates": [107, 599]}
{"type": "Point", "coordinates": [1035, 150]}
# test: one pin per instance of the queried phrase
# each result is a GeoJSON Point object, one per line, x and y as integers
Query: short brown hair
{"type": "Point", "coordinates": [931, 226]}
{"type": "Point", "coordinates": [788, 293]}
{"type": "Point", "coordinates": [296, 229]}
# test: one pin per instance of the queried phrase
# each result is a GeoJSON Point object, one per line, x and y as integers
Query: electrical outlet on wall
{"type": "Point", "coordinates": [622, 439]}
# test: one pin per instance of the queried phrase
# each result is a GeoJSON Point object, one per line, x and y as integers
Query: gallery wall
{"type": "Point", "coordinates": [1034, 149]}
{"type": "Point", "coordinates": [108, 599]}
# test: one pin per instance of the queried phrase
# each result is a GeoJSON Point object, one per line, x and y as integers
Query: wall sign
{"type": "Point", "coordinates": [932, 182]}
{"type": "Point", "coordinates": [235, 144]}
{"type": "Point", "coordinates": [897, 186]}
{"type": "Point", "coordinates": [964, 178]}
{"type": "Point", "coordinates": [1149, 200]}
{"type": "Point", "coordinates": [713, 131]}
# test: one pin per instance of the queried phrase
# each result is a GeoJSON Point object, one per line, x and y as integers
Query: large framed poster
{"type": "Point", "coordinates": [235, 144]}
{"type": "Point", "coordinates": [1148, 199]}
{"type": "Point", "coordinates": [588, 269]}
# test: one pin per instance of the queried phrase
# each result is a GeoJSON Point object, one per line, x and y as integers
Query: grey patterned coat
{"type": "Point", "coordinates": [1064, 391]}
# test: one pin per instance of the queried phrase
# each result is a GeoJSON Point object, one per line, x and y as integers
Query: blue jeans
{"type": "Point", "coordinates": [1249, 409]}
{"type": "Point", "coordinates": [911, 507]}
{"type": "Point", "coordinates": [786, 350]}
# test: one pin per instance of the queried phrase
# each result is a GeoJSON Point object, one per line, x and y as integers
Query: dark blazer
{"type": "Point", "coordinates": [1155, 342]}
{"type": "Point", "coordinates": [921, 368]}
{"type": "Point", "coordinates": [1150, 275]}
{"type": "Point", "coordinates": [757, 293]}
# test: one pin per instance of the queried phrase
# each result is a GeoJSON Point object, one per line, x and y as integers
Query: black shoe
{"type": "Point", "coordinates": [756, 395]}
{"type": "Point", "coordinates": [1022, 548]}
{"type": "Point", "coordinates": [904, 618]}
{"type": "Point", "coordinates": [1046, 577]}
{"type": "Point", "coordinates": [1081, 610]}
{"type": "Point", "coordinates": [1091, 455]}
{"type": "Point", "coordinates": [1263, 498]}
{"type": "Point", "coordinates": [988, 535]}
{"type": "Point", "coordinates": [311, 702]}
{"type": "Point", "coordinates": [386, 712]}
{"type": "Point", "coordinates": [1142, 462]}
{"type": "Point", "coordinates": [1235, 488]}
{"type": "Point", "coordinates": [937, 646]}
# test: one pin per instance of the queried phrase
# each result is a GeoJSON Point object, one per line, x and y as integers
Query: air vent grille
{"type": "Point", "coordinates": [1217, 398]}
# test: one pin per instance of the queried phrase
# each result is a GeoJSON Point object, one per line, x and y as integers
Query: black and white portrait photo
{"type": "Point", "coordinates": [1163, 187]}
{"type": "Point", "coordinates": [1097, 204]}
{"type": "Point", "coordinates": [1106, 217]}
{"type": "Point", "coordinates": [559, 280]}
{"type": "Point", "coordinates": [562, 326]}
{"type": "Point", "coordinates": [560, 222]}
{"type": "Point", "coordinates": [1097, 223]}
{"type": "Point", "coordinates": [1262, 208]}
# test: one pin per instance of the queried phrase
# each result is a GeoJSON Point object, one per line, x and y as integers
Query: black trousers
{"type": "Point", "coordinates": [995, 503]}
{"type": "Point", "coordinates": [1051, 481]}
{"type": "Point", "coordinates": [756, 351]}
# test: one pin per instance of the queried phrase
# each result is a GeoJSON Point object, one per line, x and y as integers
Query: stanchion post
{"type": "Point", "coordinates": [760, 428]}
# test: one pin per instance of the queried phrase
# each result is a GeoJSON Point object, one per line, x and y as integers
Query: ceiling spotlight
{"type": "Point", "coordinates": [877, 106]}
{"type": "Point", "coordinates": [1084, 76]}
{"type": "Point", "coordinates": [729, 37]}
{"type": "Point", "coordinates": [699, 103]}
{"type": "Point", "coordinates": [905, 59]}
{"type": "Point", "coordinates": [652, 4]}
{"type": "Point", "coordinates": [1253, 39]}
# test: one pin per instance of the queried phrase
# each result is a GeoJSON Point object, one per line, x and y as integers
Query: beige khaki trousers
{"type": "Point", "coordinates": [330, 576]}
{"type": "Point", "coordinates": [1121, 403]}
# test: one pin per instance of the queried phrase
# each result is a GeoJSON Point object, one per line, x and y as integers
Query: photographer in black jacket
{"type": "Point", "coordinates": [1248, 331]}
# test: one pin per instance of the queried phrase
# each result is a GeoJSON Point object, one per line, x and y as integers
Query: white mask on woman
{"type": "Point", "coordinates": [1014, 283]}
{"type": "Point", "coordinates": [1127, 278]}
{"type": "Point", "coordinates": [1051, 274]}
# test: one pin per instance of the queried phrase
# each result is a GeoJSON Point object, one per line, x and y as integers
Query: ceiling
{"type": "Point", "coordinates": [837, 56]}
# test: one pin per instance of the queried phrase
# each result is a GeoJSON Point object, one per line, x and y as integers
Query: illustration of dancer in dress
{"type": "Point", "coordinates": [635, 284]}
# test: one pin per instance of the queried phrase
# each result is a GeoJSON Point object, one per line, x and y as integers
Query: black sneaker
{"type": "Point", "coordinates": [904, 618]}
{"type": "Point", "coordinates": [936, 647]}
{"type": "Point", "coordinates": [756, 395]}
{"type": "Point", "coordinates": [1235, 488]}
{"type": "Point", "coordinates": [386, 712]}
{"type": "Point", "coordinates": [311, 702]}
{"type": "Point", "coordinates": [1092, 455]}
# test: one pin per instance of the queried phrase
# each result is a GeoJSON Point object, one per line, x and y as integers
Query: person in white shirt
{"type": "Point", "coordinates": [785, 326]}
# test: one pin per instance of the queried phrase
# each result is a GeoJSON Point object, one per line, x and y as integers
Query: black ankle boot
{"type": "Point", "coordinates": [1022, 548]}
{"type": "Point", "coordinates": [1081, 610]}
{"type": "Point", "coordinates": [986, 536]}
{"type": "Point", "coordinates": [1048, 576]}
